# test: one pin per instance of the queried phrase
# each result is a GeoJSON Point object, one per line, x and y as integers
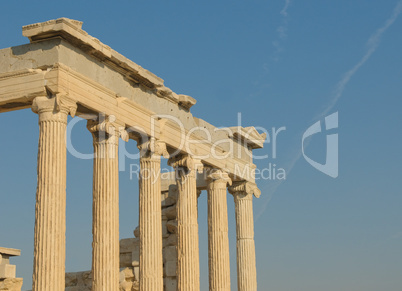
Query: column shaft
{"type": "Point", "coordinates": [218, 239]}
{"type": "Point", "coordinates": [105, 209]}
{"type": "Point", "coordinates": [246, 264]}
{"type": "Point", "coordinates": [188, 268]}
{"type": "Point", "coordinates": [50, 210]}
{"type": "Point", "coordinates": [150, 223]}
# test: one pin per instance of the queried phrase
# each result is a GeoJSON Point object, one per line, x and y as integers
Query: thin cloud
{"type": "Point", "coordinates": [277, 44]}
{"type": "Point", "coordinates": [282, 30]}
{"type": "Point", "coordinates": [284, 11]}
{"type": "Point", "coordinates": [372, 45]}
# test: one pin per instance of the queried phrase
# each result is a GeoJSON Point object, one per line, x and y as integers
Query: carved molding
{"type": "Point", "coordinates": [109, 126]}
{"type": "Point", "coordinates": [216, 175]}
{"type": "Point", "coordinates": [60, 103]}
{"type": "Point", "coordinates": [153, 147]}
{"type": "Point", "coordinates": [244, 188]}
{"type": "Point", "coordinates": [186, 161]}
{"type": "Point", "coordinates": [71, 30]}
{"type": "Point", "coordinates": [186, 101]}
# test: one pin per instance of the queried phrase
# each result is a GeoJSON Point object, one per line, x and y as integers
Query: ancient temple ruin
{"type": "Point", "coordinates": [64, 71]}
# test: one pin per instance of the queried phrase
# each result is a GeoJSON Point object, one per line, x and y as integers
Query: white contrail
{"type": "Point", "coordinates": [282, 29]}
{"type": "Point", "coordinates": [284, 11]}
{"type": "Point", "coordinates": [372, 45]}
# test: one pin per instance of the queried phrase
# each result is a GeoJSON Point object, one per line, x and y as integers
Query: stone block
{"type": "Point", "coordinates": [137, 231]}
{"type": "Point", "coordinates": [137, 273]}
{"type": "Point", "coordinates": [164, 195]}
{"type": "Point", "coordinates": [170, 212]}
{"type": "Point", "coordinates": [7, 271]}
{"type": "Point", "coordinates": [11, 284]}
{"type": "Point", "coordinates": [127, 245]}
{"type": "Point", "coordinates": [7, 252]}
{"type": "Point", "coordinates": [4, 259]}
{"type": "Point", "coordinates": [122, 277]}
{"type": "Point", "coordinates": [135, 257]}
{"type": "Point", "coordinates": [171, 226]}
{"type": "Point", "coordinates": [170, 284]}
{"type": "Point", "coordinates": [128, 274]}
{"type": "Point", "coordinates": [71, 279]}
{"type": "Point", "coordinates": [125, 260]}
{"type": "Point", "coordinates": [164, 228]}
{"type": "Point", "coordinates": [170, 269]}
{"type": "Point", "coordinates": [168, 200]}
{"type": "Point", "coordinates": [171, 240]}
{"type": "Point", "coordinates": [126, 286]}
{"type": "Point", "coordinates": [173, 191]}
{"type": "Point", "coordinates": [170, 254]}
{"type": "Point", "coordinates": [77, 288]}
{"type": "Point", "coordinates": [84, 278]}
{"type": "Point", "coordinates": [136, 286]}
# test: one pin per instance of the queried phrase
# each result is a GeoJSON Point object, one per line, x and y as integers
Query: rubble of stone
{"type": "Point", "coordinates": [8, 281]}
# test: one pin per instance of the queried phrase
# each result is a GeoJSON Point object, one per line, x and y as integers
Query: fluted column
{"type": "Point", "coordinates": [218, 239]}
{"type": "Point", "coordinates": [246, 264]}
{"type": "Point", "coordinates": [105, 207]}
{"type": "Point", "coordinates": [150, 220]}
{"type": "Point", "coordinates": [50, 210]}
{"type": "Point", "coordinates": [188, 265]}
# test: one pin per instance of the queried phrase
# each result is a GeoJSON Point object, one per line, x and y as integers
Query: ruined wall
{"type": "Point", "coordinates": [130, 254]}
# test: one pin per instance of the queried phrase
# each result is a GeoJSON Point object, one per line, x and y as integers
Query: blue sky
{"type": "Point", "coordinates": [278, 63]}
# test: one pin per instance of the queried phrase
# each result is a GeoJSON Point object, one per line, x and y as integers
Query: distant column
{"type": "Point", "coordinates": [150, 221]}
{"type": "Point", "coordinates": [105, 208]}
{"type": "Point", "coordinates": [246, 263]}
{"type": "Point", "coordinates": [50, 210]}
{"type": "Point", "coordinates": [218, 239]}
{"type": "Point", "coordinates": [188, 265]}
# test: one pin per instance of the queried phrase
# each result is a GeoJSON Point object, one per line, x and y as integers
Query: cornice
{"type": "Point", "coordinates": [71, 31]}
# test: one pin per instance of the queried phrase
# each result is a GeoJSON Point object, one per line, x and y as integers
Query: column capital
{"type": "Point", "coordinates": [152, 148]}
{"type": "Point", "coordinates": [218, 176]}
{"type": "Point", "coordinates": [53, 105]}
{"type": "Point", "coordinates": [245, 189]}
{"type": "Point", "coordinates": [107, 126]}
{"type": "Point", "coordinates": [186, 161]}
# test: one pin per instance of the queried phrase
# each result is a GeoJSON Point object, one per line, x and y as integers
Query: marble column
{"type": "Point", "coordinates": [50, 210]}
{"type": "Point", "coordinates": [246, 264]}
{"type": "Point", "coordinates": [218, 239]}
{"type": "Point", "coordinates": [105, 207]}
{"type": "Point", "coordinates": [150, 220]}
{"type": "Point", "coordinates": [188, 265]}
